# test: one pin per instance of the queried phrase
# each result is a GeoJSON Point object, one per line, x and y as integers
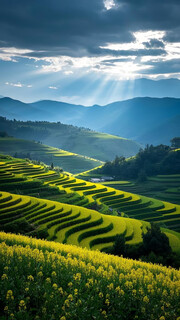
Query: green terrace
{"type": "Point", "coordinates": [163, 187]}
{"type": "Point", "coordinates": [68, 223]}
{"type": "Point", "coordinates": [86, 194]}
{"type": "Point", "coordinates": [68, 161]}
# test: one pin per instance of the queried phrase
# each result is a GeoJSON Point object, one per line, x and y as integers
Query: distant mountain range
{"type": "Point", "coordinates": [146, 120]}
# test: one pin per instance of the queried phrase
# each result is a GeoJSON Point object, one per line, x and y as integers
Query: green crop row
{"type": "Point", "coordinates": [92, 194]}
{"type": "Point", "coordinates": [85, 226]}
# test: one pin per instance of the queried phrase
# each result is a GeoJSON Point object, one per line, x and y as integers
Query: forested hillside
{"type": "Point", "coordinates": [152, 160]}
{"type": "Point", "coordinates": [82, 141]}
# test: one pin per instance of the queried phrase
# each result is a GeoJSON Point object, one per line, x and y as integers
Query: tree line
{"type": "Point", "coordinates": [150, 161]}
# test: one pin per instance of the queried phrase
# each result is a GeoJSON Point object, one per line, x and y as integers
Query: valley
{"type": "Point", "coordinates": [87, 214]}
{"type": "Point", "coordinates": [90, 160]}
{"type": "Point", "coordinates": [81, 141]}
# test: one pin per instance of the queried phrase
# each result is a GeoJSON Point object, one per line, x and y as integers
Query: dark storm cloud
{"type": "Point", "coordinates": [154, 14]}
{"type": "Point", "coordinates": [77, 28]}
{"type": "Point", "coordinates": [64, 27]}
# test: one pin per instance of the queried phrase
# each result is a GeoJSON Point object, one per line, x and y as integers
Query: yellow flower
{"type": "Point", "coordinates": [40, 274]}
{"type": "Point", "coordinates": [110, 286]}
{"type": "Point", "coordinates": [22, 305]}
{"type": "Point", "coordinates": [134, 292]}
{"type": "Point", "coordinates": [121, 292]}
{"type": "Point", "coordinates": [55, 286]}
{"type": "Point", "coordinates": [80, 302]}
{"type": "Point", "coordinates": [60, 290]}
{"type": "Point", "coordinates": [30, 278]}
{"type": "Point", "coordinates": [117, 289]}
{"type": "Point", "coordinates": [77, 276]}
{"type": "Point", "coordinates": [62, 318]}
{"type": "Point", "coordinates": [4, 276]}
{"type": "Point", "coordinates": [9, 295]}
{"type": "Point", "coordinates": [66, 303]}
{"type": "Point", "coordinates": [165, 293]}
{"type": "Point", "coordinates": [146, 299]}
{"type": "Point", "coordinates": [107, 302]}
{"type": "Point", "coordinates": [6, 308]}
{"type": "Point", "coordinates": [70, 284]}
{"type": "Point", "coordinates": [104, 314]}
{"type": "Point", "coordinates": [70, 297]}
{"type": "Point", "coordinates": [162, 318]}
{"type": "Point", "coordinates": [75, 292]}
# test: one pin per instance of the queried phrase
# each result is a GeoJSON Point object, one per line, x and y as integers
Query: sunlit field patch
{"type": "Point", "coordinates": [47, 280]}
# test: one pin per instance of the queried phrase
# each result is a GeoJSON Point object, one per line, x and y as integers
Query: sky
{"type": "Point", "coordinates": [86, 52]}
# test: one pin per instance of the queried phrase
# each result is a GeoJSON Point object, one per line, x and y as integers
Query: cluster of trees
{"type": "Point", "coordinates": [37, 130]}
{"type": "Point", "coordinates": [3, 134]}
{"type": "Point", "coordinates": [154, 248]}
{"type": "Point", "coordinates": [150, 161]}
{"type": "Point", "coordinates": [175, 142]}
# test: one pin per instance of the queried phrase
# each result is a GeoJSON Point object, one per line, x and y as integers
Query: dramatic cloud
{"type": "Point", "coordinates": [105, 39]}
{"type": "Point", "coordinates": [73, 27]}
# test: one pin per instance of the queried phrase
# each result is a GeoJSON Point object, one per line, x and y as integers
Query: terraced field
{"type": "Point", "coordinates": [15, 177]}
{"type": "Point", "coordinates": [67, 223]}
{"type": "Point", "coordinates": [135, 206]}
{"type": "Point", "coordinates": [169, 187]}
{"type": "Point", "coordinates": [68, 161]}
{"type": "Point", "coordinates": [96, 196]}
{"type": "Point", "coordinates": [71, 224]}
{"type": "Point", "coordinates": [163, 187]}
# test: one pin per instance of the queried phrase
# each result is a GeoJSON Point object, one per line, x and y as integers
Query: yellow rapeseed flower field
{"type": "Point", "coordinates": [48, 280]}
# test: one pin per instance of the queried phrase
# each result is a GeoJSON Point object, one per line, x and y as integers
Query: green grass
{"type": "Point", "coordinates": [68, 161]}
{"type": "Point", "coordinates": [75, 140]}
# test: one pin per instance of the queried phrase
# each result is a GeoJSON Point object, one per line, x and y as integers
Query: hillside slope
{"type": "Point", "coordinates": [66, 223]}
{"type": "Point", "coordinates": [82, 141]}
{"type": "Point", "coordinates": [162, 133]}
{"type": "Point", "coordinates": [46, 280]}
{"type": "Point", "coordinates": [90, 195]}
{"type": "Point", "coordinates": [162, 187]}
{"type": "Point", "coordinates": [68, 161]}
